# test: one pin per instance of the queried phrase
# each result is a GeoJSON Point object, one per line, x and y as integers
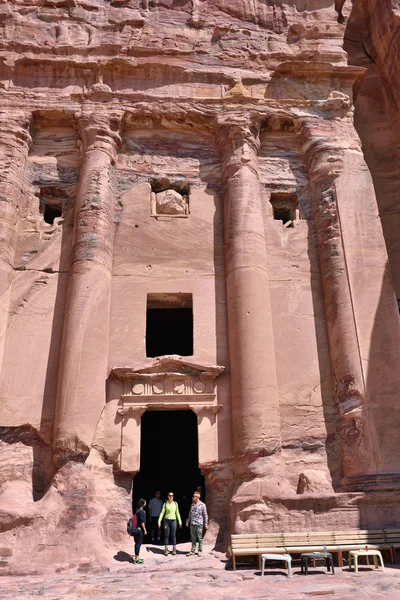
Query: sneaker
{"type": "Point", "coordinates": [199, 553]}
{"type": "Point", "coordinates": [174, 551]}
{"type": "Point", "coordinates": [158, 540]}
{"type": "Point", "coordinates": [166, 552]}
{"type": "Point", "coordinates": [139, 561]}
{"type": "Point", "coordinates": [190, 553]}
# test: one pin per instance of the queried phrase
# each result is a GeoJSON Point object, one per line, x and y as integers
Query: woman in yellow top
{"type": "Point", "coordinates": [170, 512]}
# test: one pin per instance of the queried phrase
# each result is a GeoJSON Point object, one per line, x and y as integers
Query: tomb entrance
{"type": "Point", "coordinates": [169, 457]}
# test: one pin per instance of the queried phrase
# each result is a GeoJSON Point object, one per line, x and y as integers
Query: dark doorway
{"type": "Point", "coordinates": [169, 459]}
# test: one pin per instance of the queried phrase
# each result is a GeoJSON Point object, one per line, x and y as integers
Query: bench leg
{"type": "Point", "coordinates": [375, 561]}
{"type": "Point", "coordinates": [355, 558]}
{"type": "Point", "coordinates": [381, 559]}
{"type": "Point", "coordinates": [259, 561]}
{"type": "Point", "coordinates": [329, 564]}
{"type": "Point", "coordinates": [234, 562]}
{"type": "Point", "coordinates": [262, 566]}
{"type": "Point", "coordinates": [289, 567]}
{"type": "Point", "coordinates": [340, 558]}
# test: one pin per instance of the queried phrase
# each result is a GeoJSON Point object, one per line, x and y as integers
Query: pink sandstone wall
{"type": "Point", "coordinates": [296, 329]}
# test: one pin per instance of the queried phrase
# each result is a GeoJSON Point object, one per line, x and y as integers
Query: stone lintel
{"type": "Point", "coordinates": [323, 70]}
{"type": "Point", "coordinates": [151, 399]}
{"type": "Point", "coordinates": [377, 482]}
{"type": "Point", "coordinates": [137, 410]}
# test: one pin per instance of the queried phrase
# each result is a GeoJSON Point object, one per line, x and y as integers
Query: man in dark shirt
{"type": "Point", "coordinates": [141, 525]}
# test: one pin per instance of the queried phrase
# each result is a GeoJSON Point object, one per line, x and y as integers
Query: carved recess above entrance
{"type": "Point", "coordinates": [169, 383]}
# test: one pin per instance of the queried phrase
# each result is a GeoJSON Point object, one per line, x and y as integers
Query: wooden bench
{"type": "Point", "coordinates": [375, 539]}
{"type": "Point", "coordinates": [311, 541]}
{"type": "Point", "coordinates": [255, 544]}
{"type": "Point", "coordinates": [392, 537]}
{"type": "Point", "coordinates": [336, 542]}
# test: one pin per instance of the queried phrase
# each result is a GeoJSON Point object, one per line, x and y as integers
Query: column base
{"type": "Point", "coordinates": [371, 482]}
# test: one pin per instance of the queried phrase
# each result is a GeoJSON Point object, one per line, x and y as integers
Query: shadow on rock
{"type": "Point", "coordinates": [156, 550]}
{"type": "Point", "coordinates": [122, 556]}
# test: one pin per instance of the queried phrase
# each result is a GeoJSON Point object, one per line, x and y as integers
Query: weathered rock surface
{"type": "Point", "coordinates": [199, 155]}
{"type": "Point", "coordinates": [180, 578]}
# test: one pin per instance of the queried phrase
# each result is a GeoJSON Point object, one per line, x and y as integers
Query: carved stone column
{"type": "Point", "coordinates": [255, 401]}
{"type": "Point", "coordinates": [84, 353]}
{"type": "Point", "coordinates": [325, 164]}
{"type": "Point", "coordinates": [14, 145]}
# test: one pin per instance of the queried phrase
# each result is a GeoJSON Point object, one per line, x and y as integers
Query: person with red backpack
{"type": "Point", "coordinates": [141, 530]}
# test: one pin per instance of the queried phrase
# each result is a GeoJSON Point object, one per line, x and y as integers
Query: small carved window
{"type": "Point", "coordinates": [285, 208]}
{"type": "Point", "coordinates": [169, 325]}
{"type": "Point", "coordinates": [51, 202]}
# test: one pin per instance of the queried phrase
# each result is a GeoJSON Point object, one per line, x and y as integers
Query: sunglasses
{"type": "Point", "coordinates": [170, 495]}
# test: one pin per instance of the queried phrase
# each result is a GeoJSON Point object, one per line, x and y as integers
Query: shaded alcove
{"type": "Point", "coordinates": [169, 325]}
{"type": "Point", "coordinates": [169, 458]}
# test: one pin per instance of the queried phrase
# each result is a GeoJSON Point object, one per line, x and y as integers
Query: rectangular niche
{"type": "Point", "coordinates": [169, 325]}
{"type": "Point", "coordinates": [169, 199]}
{"type": "Point", "coordinates": [285, 208]}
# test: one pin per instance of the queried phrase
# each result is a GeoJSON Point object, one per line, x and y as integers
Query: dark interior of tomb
{"type": "Point", "coordinates": [51, 212]}
{"type": "Point", "coordinates": [169, 460]}
{"type": "Point", "coordinates": [169, 331]}
{"type": "Point", "coordinates": [282, 214]}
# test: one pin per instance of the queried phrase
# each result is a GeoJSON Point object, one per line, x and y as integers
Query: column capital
{"type": "Point", "coordinates": [322, 144]}
{"type": "Point", "coordinates": [16, 127]}
{"type": "Point", "coordinates": [243, 130]}
{"type": "Point", "coordinates": [15, 141]}
{"type": "Point", "coordinates": [101, 132]}
{"type": "Point", "coordinates": [238, 143]}
{"type": "Point", "coordinates": [132, 411]}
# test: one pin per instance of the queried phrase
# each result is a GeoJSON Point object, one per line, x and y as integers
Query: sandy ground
{"type": "Point", "coordinates": [192, 578]}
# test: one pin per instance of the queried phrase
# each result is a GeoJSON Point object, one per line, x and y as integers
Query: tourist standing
{"type": "Point", "coordinates": [170, 512]}
{"type": "Point", "coordinates": [141, 526]}
{"type": "Point", "coordinates": [197, 520]}
{"type": "Point", "coordinates": [155, 507]}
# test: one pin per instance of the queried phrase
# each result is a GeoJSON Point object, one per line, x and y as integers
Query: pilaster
{"type": "Point", "coordinates": [344, 210]}
{"type": "Point", "coordinates": [14, 146]}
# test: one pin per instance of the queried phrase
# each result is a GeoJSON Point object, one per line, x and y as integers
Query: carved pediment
{"type": "Point", "coordinates": [169, 365]}
{"type": "Point", "coordinates": [169, 378]}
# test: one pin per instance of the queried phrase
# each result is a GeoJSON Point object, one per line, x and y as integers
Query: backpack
{"type": "Point", "coordinates": [131, 526]}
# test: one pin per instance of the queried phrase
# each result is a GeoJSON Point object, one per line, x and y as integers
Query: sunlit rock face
{"type": "Point", "coordinates": [197, 287]}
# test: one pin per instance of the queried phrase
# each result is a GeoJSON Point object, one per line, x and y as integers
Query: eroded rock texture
{"type": "Point", "coordinates": [201, 157]}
